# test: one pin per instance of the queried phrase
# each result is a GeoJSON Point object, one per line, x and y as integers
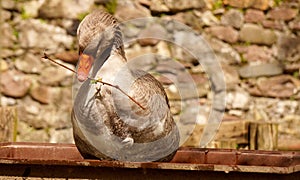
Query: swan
{"type": "Point", "coordinates": [107, 125]}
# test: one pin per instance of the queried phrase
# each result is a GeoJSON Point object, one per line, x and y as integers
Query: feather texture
{"type": "Point", "coordinates": [107, 124]}
{"type": "Point", "coordinates": [96, 23]}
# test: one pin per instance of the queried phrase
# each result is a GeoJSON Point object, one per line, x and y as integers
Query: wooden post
{"type": "Point", "coordinates": [263, 136]}
{"type": "Point", "coordinates": [8, 124]}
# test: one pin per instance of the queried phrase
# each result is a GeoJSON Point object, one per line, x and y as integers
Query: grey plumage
{"type": "Point", "coordinates": [108, 125]}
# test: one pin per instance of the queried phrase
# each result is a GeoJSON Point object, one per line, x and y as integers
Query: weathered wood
{"type": "Point", "coordinates": [50, 160]}
{"type": "Point", "coordinates": [8, 124]}
{"type": "Point", "coordinates": [231, 133]}
{"type": "Point", "coordinates": [226, 143]}
{"type": "Point", "coordinates": [252, 135]}
{"type": "Point", "coordinates": [237, 129]}
{"type": "Point", "coordinates": [263, 136]}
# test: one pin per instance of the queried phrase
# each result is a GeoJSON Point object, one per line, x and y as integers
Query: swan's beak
{"type": "Point", "coordinates": [84, 67]}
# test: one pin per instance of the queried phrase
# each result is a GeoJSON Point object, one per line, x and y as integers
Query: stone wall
{"type": "Point", "coordinates": [257, 44]}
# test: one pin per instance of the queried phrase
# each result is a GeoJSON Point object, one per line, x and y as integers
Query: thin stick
{"type": "Point", "coordinates": [117, 87]}
{"type": "Point", "coordinates": [95, 80]}
{"type": "Point", "coordinates": [47, 57]}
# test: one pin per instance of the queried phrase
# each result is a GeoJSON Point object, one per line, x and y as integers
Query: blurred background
{"type": "Point", "coordinates": [257, 43]}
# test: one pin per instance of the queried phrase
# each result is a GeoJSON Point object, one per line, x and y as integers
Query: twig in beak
{"type": "Point", "coordinates": [95, 80]}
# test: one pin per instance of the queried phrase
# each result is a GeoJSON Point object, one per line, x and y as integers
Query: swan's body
{"type": "Point", "coordinates": [106, 123]}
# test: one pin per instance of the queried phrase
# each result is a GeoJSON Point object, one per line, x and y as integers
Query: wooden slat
{"type": "Point", "coordinates": [8, 124]}
{"type": "Point", "coordinates": [263, 136]}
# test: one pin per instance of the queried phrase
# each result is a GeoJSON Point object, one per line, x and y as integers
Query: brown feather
{"type": "Point", "coordinates": [95, 23]}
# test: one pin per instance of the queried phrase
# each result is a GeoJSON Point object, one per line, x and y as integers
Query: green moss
{"type": "Point", "coordinates": [42, 21]}
{"type": "Point", "coordinates": [48, 130]}
{"type": "Point", "coordinates": [292, 98]}
{"type": "Point", "coordinates": [296, 74]}
{"type": "Point", "coordinates": [162, 15]}
{"type": "Point", "coordinates": [217, 4]}
{"type": "Point", "coordinates": [16, 33]}
{"type": "Point", "coordinates": [74, 46]}
{"type": "Point", "coordinates": [81, 16]}
{"type": "Point", "coordinates": [247, 43]}
{"type": "Point", "coordinates": [278, 2]}
{"type": "Point", "coordinates": [243, 60]}
{"type": "Point", "coordinates": [24, 14]}
{"type": "Point", "coordinates": [229, 7]}
{"type": "Point", "coordinates": [111, 6]}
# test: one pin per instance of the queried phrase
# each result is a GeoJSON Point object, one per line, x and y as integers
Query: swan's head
{"type": "Point", "coordinates": [96, 36]}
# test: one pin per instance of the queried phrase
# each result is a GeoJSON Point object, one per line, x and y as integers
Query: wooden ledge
{"type": "Point", "coordinates": [64, 161]}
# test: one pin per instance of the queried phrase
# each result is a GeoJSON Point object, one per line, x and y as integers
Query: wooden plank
{"type": "Point", "coordinates": [263, 136]}
{"type": "Point", "coordinates": [50, 160]}
{"type": "Point", "coordinates": [8, 124]}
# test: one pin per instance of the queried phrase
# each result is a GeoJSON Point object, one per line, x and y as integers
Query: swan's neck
{"type": "Point", "coordinates": [114, 68]}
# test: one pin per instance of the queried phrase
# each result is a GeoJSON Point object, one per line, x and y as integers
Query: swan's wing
{"type": "Point", "coordinates": [158, 135]}
{"type": "Point", "coordinates": [149, 93]}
